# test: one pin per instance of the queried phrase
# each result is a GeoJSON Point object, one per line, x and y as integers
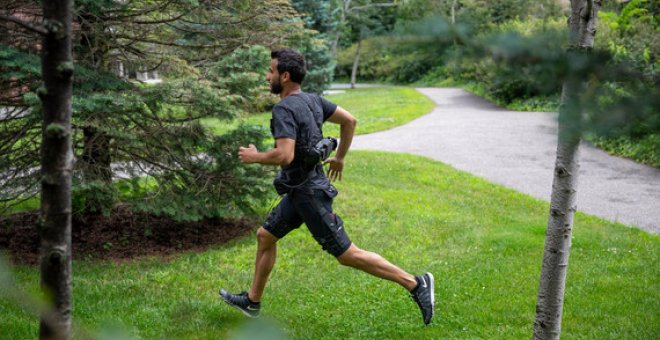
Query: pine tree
{"type": "Point", "coordinates": [138, 143]}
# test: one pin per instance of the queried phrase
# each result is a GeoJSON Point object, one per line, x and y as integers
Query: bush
{"type": "Point", "coordinates": [645, 149]}
{"type": "Point", "coordinates": [220, 186]}
{"type": "Point", "coordinates": [508, 82]}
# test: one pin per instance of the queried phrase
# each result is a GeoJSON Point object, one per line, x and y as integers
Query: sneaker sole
{"type": "Point", "coordinates": [432, 285]}
{"type": "Point", "coordinates": [239, 308]}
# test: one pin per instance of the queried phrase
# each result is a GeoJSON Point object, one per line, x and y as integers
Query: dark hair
{"type": "Point", "coordinates": [289, 60]}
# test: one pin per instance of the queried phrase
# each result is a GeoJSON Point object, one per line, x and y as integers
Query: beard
{"type": "Point", "coordinates": [276, 87]}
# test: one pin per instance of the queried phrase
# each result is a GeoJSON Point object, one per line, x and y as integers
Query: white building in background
{"type": "Point", "coordinates": [149, 77]}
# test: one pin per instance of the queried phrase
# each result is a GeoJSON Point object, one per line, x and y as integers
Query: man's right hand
{"type": "Point", "coordinates": [247, 155]}
{"type": "Point", "coordinates": [336, 168]}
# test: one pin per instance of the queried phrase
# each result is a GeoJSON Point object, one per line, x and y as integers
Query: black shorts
{"type": "Point", "coordinates": [314, 207]}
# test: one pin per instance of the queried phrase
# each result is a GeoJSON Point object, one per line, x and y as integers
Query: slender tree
{"type": "Point", "coordinates": [344, 7]}
{"type": "Point", "coordinates": [56, 164]}
{"type": "Point", "coordinates": [453, 12]}
{"type": "Point", "coordinates": [582, 27]}
{"type": "Point", "coordinates": [56, 167]}
{"type": "Point", "coordinates": [362, 17]}
{"type": "Point", "coordinates": [349, 10]}
{"type": "Point", "coordinates": [356, 60]}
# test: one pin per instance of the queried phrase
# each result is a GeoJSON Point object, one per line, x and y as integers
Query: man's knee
{"type": "Point", "coordinates": [351, 257]}
{"type": "Point", "coordinates": [265, 238]}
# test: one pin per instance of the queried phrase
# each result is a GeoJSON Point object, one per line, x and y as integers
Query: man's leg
{"type": "Point", "coordinates": [421, 287]}
{"type": "Point", "coordinates": [376, 265]}
{"type": "Point", "coordinates": [282, 219]}
{"type": "Point", "coordinates": [328, 230]}
{"type": "Point", "coordinates": [266, 253]}
{"type": "Point", "coordinates": [249, 302]}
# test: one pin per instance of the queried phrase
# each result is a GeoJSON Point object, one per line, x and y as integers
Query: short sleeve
{"type": "Point", "coordinates": [328, 108]}
{"type": "Point", "coordinates": [282, 124]}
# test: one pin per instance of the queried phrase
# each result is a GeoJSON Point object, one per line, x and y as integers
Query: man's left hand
{"type": "Point", "coordinates": [247, 155]}
{"type": "Point", "coordinates": [336, 168]}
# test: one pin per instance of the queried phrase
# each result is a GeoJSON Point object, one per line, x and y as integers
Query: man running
{"type": "Point", "coordinates": [296, 126]}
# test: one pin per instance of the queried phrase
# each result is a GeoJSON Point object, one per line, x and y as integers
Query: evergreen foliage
{"type": "Point", "coordinates": [314, 43]}
{"type": "Point", "coordinates": [320, 64]}
{"type": "Point", "coordinates": [143, 144]}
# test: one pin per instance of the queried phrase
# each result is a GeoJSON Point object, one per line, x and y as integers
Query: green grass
{"type": "Point", "coordinates": [31, 203]}
{"type": "Point", "coordinates": [376, 109]}
{"type": "Point", "coordinates": [483, 242]}
{"type": "Point", "coordinates": [379, 109]}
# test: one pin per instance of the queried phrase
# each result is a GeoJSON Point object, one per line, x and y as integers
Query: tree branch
{"type": "Point", "coordinates": [37, 29]}
{"type": "Point", "coordinates": [157, 8]}
{"type": "Point", "coordinates": [170, 43]}
{"type": "Point", "coordinates": [385, 4]}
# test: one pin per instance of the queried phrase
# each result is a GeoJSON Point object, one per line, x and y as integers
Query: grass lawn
{"type": "Point", "coordinates": [376, 109]}
{"type": "Point", "coordinates": [483, 243]}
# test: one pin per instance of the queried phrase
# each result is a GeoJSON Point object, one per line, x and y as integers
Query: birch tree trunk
{"type": "Point", "coordinates": [56, 165]}
{"type": "Point", "coordinates": [356, 61]}
{"type": "Point", "coordinates": [550, 301]}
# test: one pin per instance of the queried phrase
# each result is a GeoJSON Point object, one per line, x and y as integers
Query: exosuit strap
{"type": "Point", "coordinates": [304, 97]}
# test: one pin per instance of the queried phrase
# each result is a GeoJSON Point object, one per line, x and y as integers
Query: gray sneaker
{"type": "Point", "coordinates": [242, 303]}
{"type": "Point", "coordinates": [424, 296]}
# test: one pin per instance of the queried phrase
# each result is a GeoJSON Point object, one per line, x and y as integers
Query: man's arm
{"type": "Point", "coordinates": [347, 129]}
{"type": "Point", "coordinates": [282, 154]}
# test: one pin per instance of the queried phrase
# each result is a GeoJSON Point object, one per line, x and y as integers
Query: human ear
{"type": "Point", "coordinates": [286, 76]}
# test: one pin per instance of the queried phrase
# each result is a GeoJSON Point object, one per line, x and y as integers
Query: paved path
{"type": "Point", "coordinates": [517, 150]}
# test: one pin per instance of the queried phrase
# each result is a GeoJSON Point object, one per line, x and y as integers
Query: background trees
{"type": "Point", "coordinates": [141, 142]}
{"type": "Point", "coordinates": [628, 30]}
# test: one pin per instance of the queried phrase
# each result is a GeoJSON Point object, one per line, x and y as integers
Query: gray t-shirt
{"type": "Point", "coordinates": [299, 117]}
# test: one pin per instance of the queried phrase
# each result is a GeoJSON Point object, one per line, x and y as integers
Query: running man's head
{"type": "Point", "coordinates": [286, 66]}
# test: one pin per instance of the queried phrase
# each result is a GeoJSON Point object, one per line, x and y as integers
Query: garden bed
{"type": "Point", "coordinates": [120, 236]}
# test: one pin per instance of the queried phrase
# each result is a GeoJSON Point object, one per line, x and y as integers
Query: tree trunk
{"type": "Point", "coordinates": [96, 159]}
{"type": "Point", "coordinates": [453, 12]}
{"type": "Point", "coordinates": [346, 4]}
{"type": "Point", "coordinates": [97, 173]}
{"type": "Point", "coordinates": [356, 61]}
{"type": "Point", "coordinates": [335, 43]}
{"type": "Point", "coordinates": [56, 166]}
{"type": "Point", "coordinates": [550, 301]}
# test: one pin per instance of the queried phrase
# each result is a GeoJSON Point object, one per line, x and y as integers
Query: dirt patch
{"type": "Point", "coordinates": [121, 236]}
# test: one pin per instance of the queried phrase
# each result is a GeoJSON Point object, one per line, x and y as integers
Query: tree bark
{"type": "Point", "coordinates": [344, 9]}
{"type": "Point", "coordinates": [356, 61]}
{"type": "Point", "coordinates": [56, 167]}
{"type": "Point", "coordinates": [96, 159]}
{"type": "Point", "coordinates": [550, 301]}
{"type": "Point", "coordinates": [97, 172]}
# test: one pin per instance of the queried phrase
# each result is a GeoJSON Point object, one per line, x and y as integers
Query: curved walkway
{"type": "Point", "coordinates": [517, 150]}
